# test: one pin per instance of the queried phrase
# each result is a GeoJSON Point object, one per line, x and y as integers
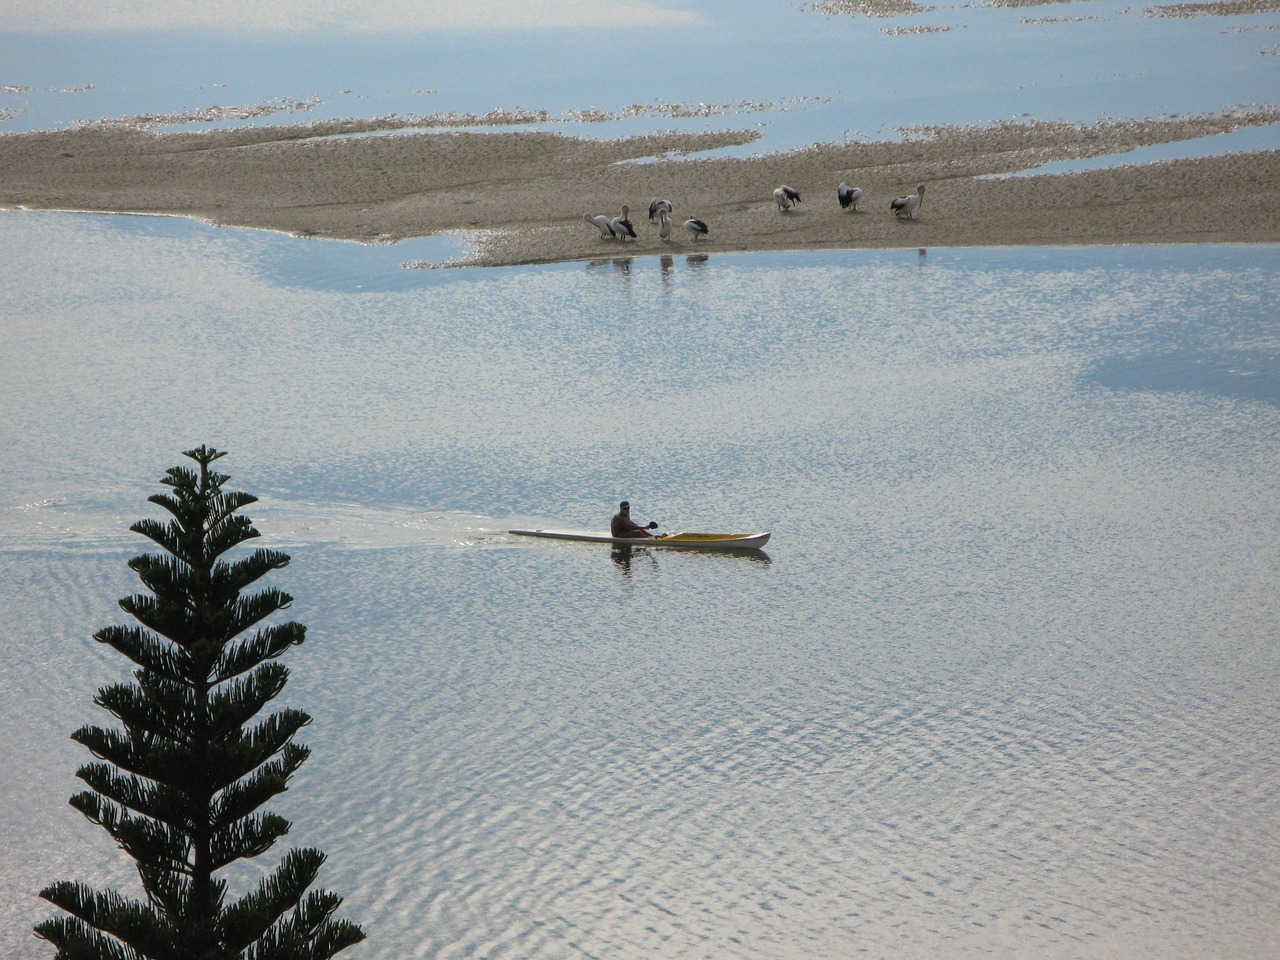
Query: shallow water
{"type": "Point", "coordinates": [1001, 684]}
{"type": "Point", "coordinates": [796, 75]}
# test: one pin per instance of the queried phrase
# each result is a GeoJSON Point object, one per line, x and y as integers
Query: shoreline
{"type": "Point", "coordinates": [522, 194]}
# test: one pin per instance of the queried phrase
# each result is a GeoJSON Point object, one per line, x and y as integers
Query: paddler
{"type": "Point", "coordinates": [623, 527]}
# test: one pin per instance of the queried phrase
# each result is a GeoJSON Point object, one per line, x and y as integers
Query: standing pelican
{"type": "Point", "coordinates": [657, 207]}
{"type": "Point", "coordinates": [785, 197]}
{"type": "Point", "coordinates": [696, 227]}
{"type": "Point", "coordinates": [664, 226]}
{"type": "Point", "coordinates": [601, 221]}
{"type": "Point", "coordinates": [622, 225]}
{"type": "Point", "coordinates": [848, 196]}
{"type": "Point", "coordinates": [908, 204]}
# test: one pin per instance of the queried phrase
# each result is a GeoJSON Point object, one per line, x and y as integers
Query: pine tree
{"type": "Point", "coordinates": [180, 786]}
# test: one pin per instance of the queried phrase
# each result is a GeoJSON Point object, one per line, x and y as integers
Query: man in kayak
{"type": "Point", "coordinates": [623, 526]}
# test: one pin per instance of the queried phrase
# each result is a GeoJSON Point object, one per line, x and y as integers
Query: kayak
{"type": "Point", "coordinates": [676, 541]}
{"type": "Point", "coordinates": [688, 541]}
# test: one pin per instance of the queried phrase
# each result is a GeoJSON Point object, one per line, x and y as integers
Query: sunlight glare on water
{"type": "Point", "coordinates": [1001, 684]}
{"type": "Point", "coordinates": [1003, 681]}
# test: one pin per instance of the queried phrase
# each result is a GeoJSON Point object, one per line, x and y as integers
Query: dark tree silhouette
{"type": "Point", "coordinates": [180, 786]}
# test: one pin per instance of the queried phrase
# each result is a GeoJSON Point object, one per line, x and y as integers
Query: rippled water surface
{"type": "Point", "coordinates": [1002, 684]}
{"type": "Point", "coordinates": [789, 71]}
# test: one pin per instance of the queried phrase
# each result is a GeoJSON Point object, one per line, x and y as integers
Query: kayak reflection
{"type": "Point", "coordinates": [623, 555]}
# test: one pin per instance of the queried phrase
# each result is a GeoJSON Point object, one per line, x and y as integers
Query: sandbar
{"type": "Point", "coordinates": [518, 196]}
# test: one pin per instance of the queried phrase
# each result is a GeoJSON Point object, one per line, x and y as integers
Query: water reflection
{"type": "Point", "coordinates": [623, 556]}
{"type": "Point", "coordinates": [969, 79]}
{"type": "Point", "coordinates": [666, 267]}
{"type": "Point", "coordinates": [302, 262]}
{"type": "Point", "coordinates": [666, 263]}
{"type": "Point", "coordinates": [903, 726]}
{"type": "Point", "coordinates": [621, 265]}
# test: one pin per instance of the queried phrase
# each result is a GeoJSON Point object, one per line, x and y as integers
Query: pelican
{"type": "Point", "coordinates": [622, 225]}
{"type": "Point", "coordinates": [849, 196]}
{"type": "Point", "coordinates": [696, 227]}
{"type": "Point", "coordinates": [601, 221]}
{"type": "Point", "coordinates": [664, 225]}
{"type": "Point", "coordinates": [908, 204]}
{"type": "Point", "coordinates": [657, 207]}
{"type": "Point", "coordinates": [785, 196]}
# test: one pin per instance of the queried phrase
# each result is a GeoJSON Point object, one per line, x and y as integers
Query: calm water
{"type": "Point", "coordinates": [795, 75]}
{"type": "Point", "coordinates": [1003, 684]}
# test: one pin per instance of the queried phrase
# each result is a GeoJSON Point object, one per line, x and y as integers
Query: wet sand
{"type": "Point", "coordinates": [520, 195]}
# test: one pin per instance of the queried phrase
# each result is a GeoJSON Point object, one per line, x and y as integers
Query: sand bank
{"type": "Point", "coordinates": [521, 195]}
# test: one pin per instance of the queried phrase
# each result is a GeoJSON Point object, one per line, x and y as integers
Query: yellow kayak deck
{"type": "Point", "coordinates": [697, 541]}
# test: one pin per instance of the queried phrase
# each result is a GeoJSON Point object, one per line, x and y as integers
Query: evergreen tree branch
{"type": "Point", "coordinates": [241, 698]}
{"type": "Point", "coordinates": [170, 537]}
{"type": "Point", "coordinates": [130, 923]}
{"type": "Point", "coordinates": [146, 841]}
{"type": "Point", "coordinates": [156, 705]}
{"type": "Point", "coordinates": [243, 797]}
{"type": "Point", "coordinates": [267, 644]}
{"type": "Point", "coordinates": [146, 756]}
{"type": "Point", "coordinates": [76, 940]}
{"type": "Point", "coordinates": [145, 649]}
{"type": "Point", "coordinates": [162, 803]}
{"type": "Point", "coordinates": [245, 612]}
{"type": "Point", "coordinates": [246, 571]}
{"type": "Point", "coordinates": [226, 529]}
{"type": "Point", "coordinates": [246, 920]}
{"type": "Point", "coordinates": [246, 838]}
{"type": "Point", "coordinates": [308, 933]}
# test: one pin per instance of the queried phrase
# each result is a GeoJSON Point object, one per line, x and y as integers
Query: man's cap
{"type": "Point", "coordinates": [625, 504]}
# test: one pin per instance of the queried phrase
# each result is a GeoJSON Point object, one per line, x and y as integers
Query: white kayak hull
{"type": "Point", "coordinates": [674, 541]}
